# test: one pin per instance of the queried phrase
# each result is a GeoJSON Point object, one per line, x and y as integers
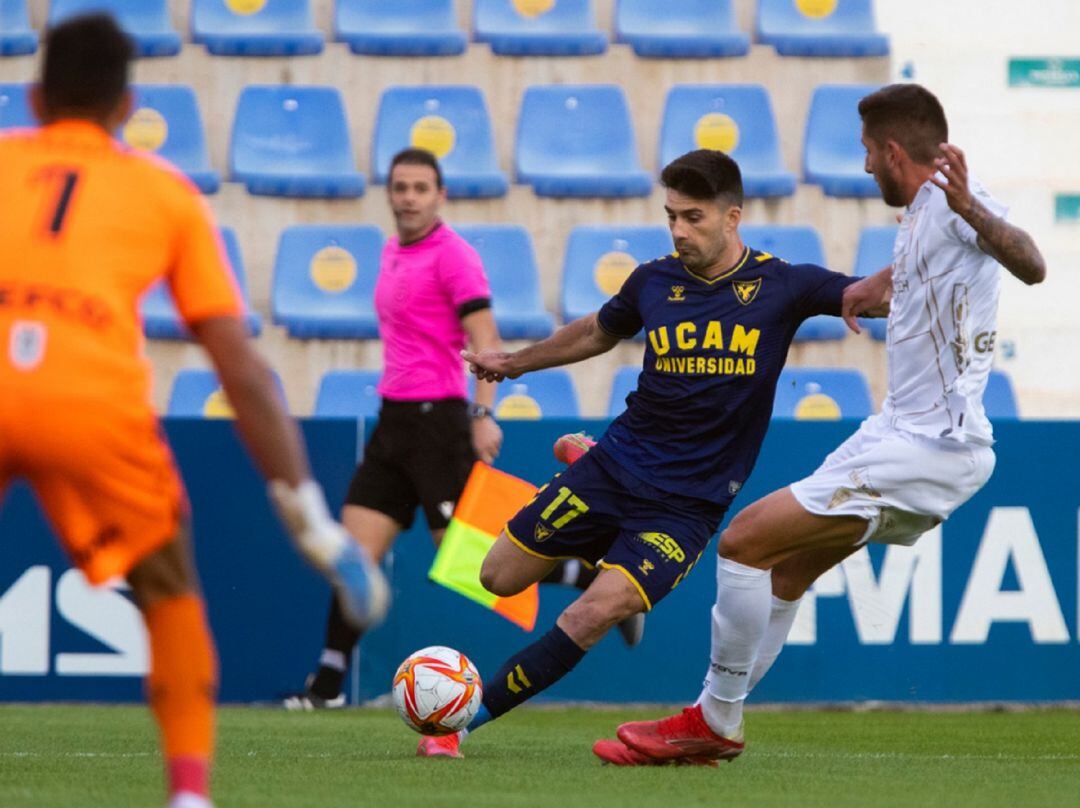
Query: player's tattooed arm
{"type": "Point", "coordinates": [1011, 246]}
{"type": "Point", "coordinates": [573, 342]}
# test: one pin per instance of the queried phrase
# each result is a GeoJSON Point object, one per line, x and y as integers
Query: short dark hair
{"type": "Point", "coordinates": [86, 64]}
{"type": "Point", "coordinates": [909, 114]}
{"type": "Point", "coordinates": [416, 157]}
{"type": "Point", "coordinates": [705, 174]}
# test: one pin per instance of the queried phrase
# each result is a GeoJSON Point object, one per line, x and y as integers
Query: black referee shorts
{"type": "Point", "coordinates": [420, 454]}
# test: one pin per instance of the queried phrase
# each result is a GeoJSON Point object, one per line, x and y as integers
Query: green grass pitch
{"type": "Point", "coordinates": [72, 755]}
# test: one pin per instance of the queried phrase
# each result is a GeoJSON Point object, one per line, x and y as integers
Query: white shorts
{"type": "Point", "coordinates": [902, 483]}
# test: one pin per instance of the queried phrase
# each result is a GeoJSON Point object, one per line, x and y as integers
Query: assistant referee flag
{"type": "Point", "coordinates": [491, 497]}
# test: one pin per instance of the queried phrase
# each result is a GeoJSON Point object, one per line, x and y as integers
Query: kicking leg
{"type": "Point", "coordinates": [375, 532]}
{"type": "Point", "coordinates": [611, 598]}
{"type": "Point", "coordinates": [182, 684]}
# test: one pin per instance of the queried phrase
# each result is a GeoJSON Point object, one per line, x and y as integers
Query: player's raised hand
{"type": "Point", "coordinates": [867, 298]}
{"type": "Point", "coordinates": [490, 366]}
{"type": "Point", "coordinates": [953, 166]}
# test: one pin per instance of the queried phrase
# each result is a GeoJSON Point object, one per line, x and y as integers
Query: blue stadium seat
{"type": "Point", "coordinates": [797, 244]}
{"type": "Point", "coordinates": [510, 263]}
{"type": "Point", "coordinates": [999, 400]}
{"type": "Point", "coordinates": [822, 394]}
{"type": "Point", "coordinates": [820, 28]}
{"type": "Point", "coordinates": [197, 393]}
{"type": "Point", "coordinates": [348, 394]}
{"type": "Point", "coordinates": [624, 383]}
{"type": "Point", "coordinates": [324, 281]}
{"type": "Point", "coordinates": [293, 141]}
{"type": "Point", "coordinates": [158, 312]}
{"type": "Point", "coordinates": [578, 141]}
{"type": "Point", "coordinates": [540, 394]}
{"type": "Point", "coordinates": [875, 252]}
{"type": "Point", "coordinates": [833, 154]}
{"type": "Point", "coordinates": [733, 118]}
{"type": "Point", "coordinates": [166, 122]}
{"type": "Point", "coordinates": [451, 122]}
{"type": "Point", "coordinates": [688, 29]}
{"type": "Point", "coordinates": [16, 36]}
{"type": "Point", "coordinates": [538, 27]}
{"type": "Point", "coordinates": [598, 260]}
{"type": "Point", "coordinates": [15, 106]}
{"type": "Point", "coordinates": [399, 27]}
{"type": "Point", "coordinates": [255, 27]}
{"type": "Point", "coordinates": [146, 21]}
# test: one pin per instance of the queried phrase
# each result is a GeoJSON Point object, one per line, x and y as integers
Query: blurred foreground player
{"type": "Point", "coordinates": [907, 468]}
{"type": "Point", "coordinates": [88, 226]}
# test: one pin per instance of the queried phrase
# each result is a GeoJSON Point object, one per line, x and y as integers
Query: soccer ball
{"type": "Point", "coordinates": [437, 690]}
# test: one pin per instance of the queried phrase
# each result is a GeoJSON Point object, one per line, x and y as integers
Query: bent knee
{"type": "Point", "coordinates": [497, 581]}
{"type": "Point", "coordinates": [737, 543]}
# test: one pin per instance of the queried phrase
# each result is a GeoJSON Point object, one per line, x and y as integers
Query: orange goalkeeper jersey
{"type": "Point", "coordinates": [86, 227]}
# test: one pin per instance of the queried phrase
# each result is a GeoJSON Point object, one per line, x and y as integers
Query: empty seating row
{"type": "Point", "coordinates": [813, 394]}
{"type": "Point", "coordinates": [324, 276]}
{"type": "Point", "coordinates": [571, 140]}
{"type": "Point", "coordinates": [687, 29]}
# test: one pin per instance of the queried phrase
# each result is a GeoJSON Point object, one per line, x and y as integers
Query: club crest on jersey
{"type": "Point", "coordinates": [677, 294]}
{"type": "Point", "coordinates": [746, 291]}
{"type": "Point", "coordinates": [542, 532]}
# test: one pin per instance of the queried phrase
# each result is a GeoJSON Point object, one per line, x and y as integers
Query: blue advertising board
{"type": "Point", "coordinates": [992, 591]}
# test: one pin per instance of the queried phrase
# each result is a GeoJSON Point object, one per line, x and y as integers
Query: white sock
{"type": "Point", "coordinates": [781, 619]}
{"type": "Point", "coordinates": [739, 620]}
{"type": "Point", "coordinates": [571, 570]}
{"type": "Point", "coordinates": [335, 660]}
{"type": "Point", "coordinates": [186, 799]}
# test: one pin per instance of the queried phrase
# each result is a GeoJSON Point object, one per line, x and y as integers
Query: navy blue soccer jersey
{"type": "Point", "coordinates": [714, 351]}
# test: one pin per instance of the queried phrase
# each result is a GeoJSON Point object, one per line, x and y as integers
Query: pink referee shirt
{"type": "Point", "coordinates": [420, 288]}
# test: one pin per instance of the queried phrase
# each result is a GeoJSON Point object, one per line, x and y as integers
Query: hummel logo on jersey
{"type": "Point", "coordinates": [677, 294]}
{"type": "Point", "coordinates": [746, 291]}
{"type": "Point", "coordinates": [646, 566]}
{"type": "Point", "coordinates": [542, 532]}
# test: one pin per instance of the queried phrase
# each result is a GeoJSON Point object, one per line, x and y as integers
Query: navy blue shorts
{"type": "Point", "coordinates": [653, 537]}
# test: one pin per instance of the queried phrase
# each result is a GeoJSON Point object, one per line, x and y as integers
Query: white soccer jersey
{"type": "Point", "coordinates": [943, 321]}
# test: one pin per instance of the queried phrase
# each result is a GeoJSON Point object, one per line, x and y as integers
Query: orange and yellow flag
{"type": "Point", "coordinates": [491, 497]}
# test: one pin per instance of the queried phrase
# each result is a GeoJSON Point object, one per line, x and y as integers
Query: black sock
{"type": "Point", "coordinates": [530, 671]}
{"type": "Point", "coordinates": [340, 637]}
{"type": "Point", "coordinates": [570, 573]}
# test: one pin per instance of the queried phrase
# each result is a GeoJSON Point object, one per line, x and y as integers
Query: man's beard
{"type": "Point", "coordinates": [890, 190]}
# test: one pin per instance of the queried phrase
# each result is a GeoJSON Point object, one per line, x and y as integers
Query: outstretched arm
{"type": "Point", "coordinates": [573, 342]}
{"type": "Point", "coordinates": [867, 298]}
{"type": "Point", "coordinates": [1012, 247]}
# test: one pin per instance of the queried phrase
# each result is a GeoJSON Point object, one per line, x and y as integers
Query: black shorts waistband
{"type": "Point", "coordinates": [392, 407]}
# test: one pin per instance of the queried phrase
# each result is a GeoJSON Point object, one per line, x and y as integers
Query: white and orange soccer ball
{"type": "Point", "coordinates": [437, 690]}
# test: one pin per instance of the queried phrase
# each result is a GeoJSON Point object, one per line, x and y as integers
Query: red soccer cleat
{"type": "Point", "coordinates": [682, 735]}
{"type": "Point", "coordinates": [619, 754]}
{"type": "Point", "coordinates": [571, 448]}
{"type": "Point", "coordinates": [440, 746]}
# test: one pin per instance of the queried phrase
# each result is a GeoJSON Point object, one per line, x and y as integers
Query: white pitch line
{"type": "Point", "coordinates": [910, 756]}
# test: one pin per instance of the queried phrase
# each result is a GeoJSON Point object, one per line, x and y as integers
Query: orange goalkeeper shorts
{"type": "Point", "coordinates": [104, 476]}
